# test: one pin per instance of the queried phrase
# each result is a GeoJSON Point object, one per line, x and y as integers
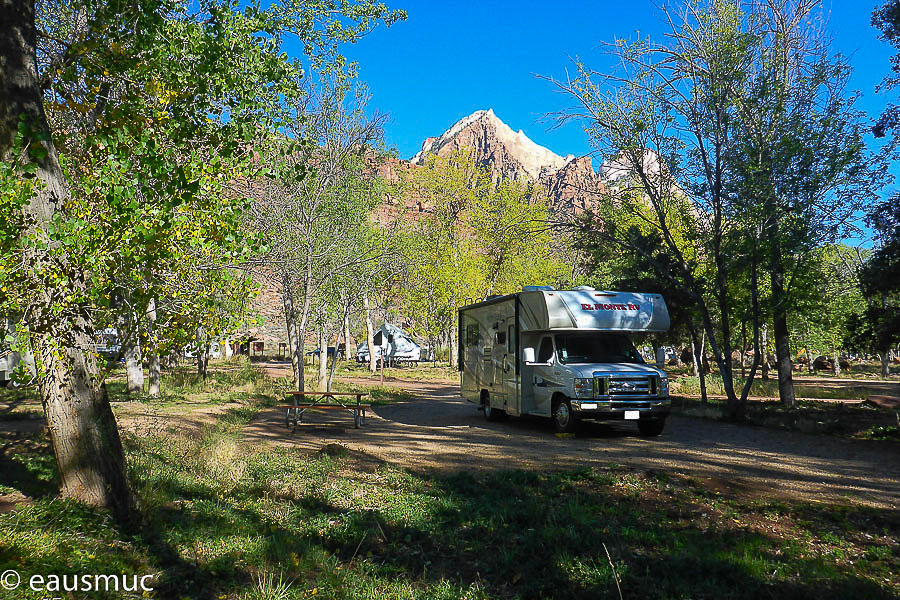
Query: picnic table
{"type": "Point", "coordinates": [325, 401]}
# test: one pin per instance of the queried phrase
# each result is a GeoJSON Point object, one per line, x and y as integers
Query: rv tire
{"type": "Point", "coordinates": [651, 427]}
{"type": "Point", "coordinates": [564, 418]}
{"type": "Point", "coordinates": [491, 413]}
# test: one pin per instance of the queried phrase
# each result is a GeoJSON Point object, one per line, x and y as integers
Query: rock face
{"type": "Point", "coordinates": [570, 183]}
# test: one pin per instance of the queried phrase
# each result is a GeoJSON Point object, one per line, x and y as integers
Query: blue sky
{"type": "Point", "coordinates": [450, 59]}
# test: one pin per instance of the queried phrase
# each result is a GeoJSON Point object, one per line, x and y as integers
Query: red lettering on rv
{"type": "Point", "coordinates": [628, 306]}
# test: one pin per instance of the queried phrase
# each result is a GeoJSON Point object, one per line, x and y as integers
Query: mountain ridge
{"type": "Point", "coordinates": [570, 182]}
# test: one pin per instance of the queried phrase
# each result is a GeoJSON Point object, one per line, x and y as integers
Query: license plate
{"type": "Point", "coordinates": [632, 415]}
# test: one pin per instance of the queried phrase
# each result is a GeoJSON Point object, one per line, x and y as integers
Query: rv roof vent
{"type": "Point", "coordinates": [492, 296]}
{"type": "Point", "coordinates": [584, 288]}
{"type": "Point", "coordinates": [537, 288]}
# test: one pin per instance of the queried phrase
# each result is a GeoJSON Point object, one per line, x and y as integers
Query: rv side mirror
{"type": "Point", "coordinates": [528, 354]}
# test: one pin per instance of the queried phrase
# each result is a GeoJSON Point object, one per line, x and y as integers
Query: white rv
{"type": "Point", "coordinates": [564, 354]}
{"type": "Point", "coordinates": [391, 342]}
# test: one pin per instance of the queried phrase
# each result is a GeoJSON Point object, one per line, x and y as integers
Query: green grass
{"type": "Point", "coordinates": [229, 520]}
{"type": "Point", "coordinates": [424, 371]}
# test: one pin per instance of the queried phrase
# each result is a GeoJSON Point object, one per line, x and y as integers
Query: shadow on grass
{"type": "Point", "coordinates": [514, 534]}
{"type": "Point", "coordinates": [217, 516]}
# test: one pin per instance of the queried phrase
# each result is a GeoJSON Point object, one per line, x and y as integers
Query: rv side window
{"type": "Point", "coordinates": [376, 339]}
{"type": "Point", "coordinates": [511, 338]}
{"type": "Point", "coordinates": [501, 338]}
{"type": "Point", "coordinates": [472, 334]}
{"type": "Point", "coordinates": [546, 351]}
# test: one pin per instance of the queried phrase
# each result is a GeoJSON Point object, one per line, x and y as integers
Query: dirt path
{"type": "Point", "coordinates": [439, 430]}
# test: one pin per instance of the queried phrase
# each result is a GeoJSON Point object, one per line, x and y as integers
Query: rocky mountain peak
{"type": "Point", "coordinates": [571, 183]}
{"type": "Point", "coordinates": [506, 152]}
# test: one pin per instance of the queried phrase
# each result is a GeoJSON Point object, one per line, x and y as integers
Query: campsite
{"type": "Point", "coordinates": [442, 301]}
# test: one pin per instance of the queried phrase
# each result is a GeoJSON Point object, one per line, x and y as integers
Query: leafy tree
{"type": "Point", "coordinates": [800, 163]}
{"type": "Point", "coordinates": [314, 209]}
{"type": "Point", "coordinates": [475, 237]}
{"type": "Point", "coordinates": [662, 122]}
{"type": "Point", "coordinates": [878, 328]}
{"type": "Point", "coordinates": [732, 156]}
{"type": "Point", "coordinates": [146, 110]}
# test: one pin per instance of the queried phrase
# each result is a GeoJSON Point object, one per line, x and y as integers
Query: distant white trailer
{"type": "Point", "coordinates": [13, 361]}
{"type": "Point", "coordinates": [392, 343]}
{"type": "Point", "coordinates": [565, 354]}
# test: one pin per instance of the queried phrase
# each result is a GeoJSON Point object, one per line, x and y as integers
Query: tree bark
{"type": "Point", "coordinates": [694, 355]}
{"type": "Point", "coordinates": [295, 344]}
{"type": "Point", "coordinates": [83, 431]}
{"type": "Point", "coordinates": [836, 367]}
{"type": "Point", "coordinates": [134, 362]}
{"type": "Point", "coordinates": [134, 366]}
{"type": "Point", "coordinates": [743, 348]}
{"type": "Point", "coordinates": [885, 364]}
{"type": "Point", "coordinates": [348, 351]}
{"type": "Point", "coordinates": [702, 357]}
{"type": "Point", "coordinates": [370, 335]}
{"type": "Point", "coordinates": [454, 347]}
{"type": "Point", "coordinates": [345, 332]}
{"type": "Point", "coordinates": [323, 357]}
{"type": "Point", "coordinates": [202, 354]}
{"type": "Point", "coordinates": [782, 333]}
{"type": "Point", "coordinates": [764, 349]}
{"type": "Point", "coordinates": [153, 366]}
{"type": "Point", "coordinates": [697, 353]}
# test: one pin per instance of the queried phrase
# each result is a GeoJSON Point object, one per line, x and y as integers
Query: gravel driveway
{"type": "Point", "coordinates": [439, 430]}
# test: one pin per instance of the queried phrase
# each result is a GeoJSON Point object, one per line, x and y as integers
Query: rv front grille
{"type": "Point", "coordinates": [631, 386]}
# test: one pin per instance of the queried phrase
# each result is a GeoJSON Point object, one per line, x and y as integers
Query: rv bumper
{"type": "Point", "coordinates": [650, 408]}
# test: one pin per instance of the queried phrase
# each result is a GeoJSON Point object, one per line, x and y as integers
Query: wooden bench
{"type": "Point", "coordinates": [294, 412]}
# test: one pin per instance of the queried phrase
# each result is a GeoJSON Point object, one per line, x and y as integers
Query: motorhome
{"type": "Point", "coordinates": [564, 354]}
{"type": "Point", "coordinates": [393, 343]}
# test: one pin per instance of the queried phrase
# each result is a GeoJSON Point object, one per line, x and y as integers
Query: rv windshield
{"type": "Point", "coordinates": [596, 348]}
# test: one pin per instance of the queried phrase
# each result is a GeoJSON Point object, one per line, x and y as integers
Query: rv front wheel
{"type": "Point", "coordinates": [564, 419]}
{"type": "Point", "coordinates": [651, 428]}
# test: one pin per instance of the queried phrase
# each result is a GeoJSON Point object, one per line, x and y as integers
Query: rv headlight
{"type": "Point", "coordinates": [584, 388]}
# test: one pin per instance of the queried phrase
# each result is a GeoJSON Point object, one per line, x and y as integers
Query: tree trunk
{"type": "Point", "coordinates": [837, 363]}
{"type": "Point", "coordinates": [696, 353]}
{"type": "Point", "coordinates": [694, 356]}
{"type": "Point", "coordinates": [454, 347]}
{"type": "Point", "coordinates": [202, 354]}
{"type": "Point", "coordinates": [743, 348]}
{"type": "Point", "coordinates": [345, 332]}
{"type": "Point", "coordinates": [809, 367]}
{"type": "Point", "coordinates": [370, 335]}
{"type": "Point", "coordinates": [764, 348]}
{"type": "Point", "coordinates": [153, 366]}
{"type": "Point", "coordinates": [83, 430]}
{"type": "Point", "coordinates": [294, 340]}
{"type": "Point", "coordinates": [134, 366]}
{"type": "Point", "coordinates": [782, 333]}
{"type": "Point", "coordinates": [885, 364]}
{"type": "Point", "coordinates": [348, 352]}
{"type": "Point", "coordinates": [323, 357]}
{"type": "Point", "coordinates": [703, 366]}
